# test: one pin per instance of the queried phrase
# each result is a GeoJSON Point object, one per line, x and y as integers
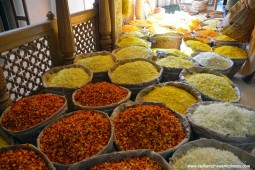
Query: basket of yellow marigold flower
{"type": "Point", "coordinates": [226, 40]}
{"type": "Point", "coordinates": [212, 85]}
{"type": "Point", "coordinates": [135, 74]}
{"type": "Point", "coordinates": [132, 52]}
{"type": "Point", "coordinates": [98, 62]}
{"type": "Point", "coordinates": [178, 96]}
{"type": "Point", "coordinates": [172, 66]}
{"type": "Point", "coordinates": [190, 46]}
{"type": "Point", "coordinates": [237, 55]}
{"type": "Point", "coordinates": [64, 80]}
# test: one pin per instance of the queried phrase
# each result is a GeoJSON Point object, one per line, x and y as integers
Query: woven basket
{"type": "Point", "coordinates": [199, 5]}
{"type": "Point", "coordinates": [168, 40]}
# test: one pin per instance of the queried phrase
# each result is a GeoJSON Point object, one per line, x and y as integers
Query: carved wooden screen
{"type": "Point", "coordinates": [24, 57]}
{"type": "Point", "coordinates": [24, 65]}
{"type": "Point", "coordinates": [85, 29]}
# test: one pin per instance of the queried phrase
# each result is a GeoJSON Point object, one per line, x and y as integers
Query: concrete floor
{"type": "Point", "coordinates": [247, 91]}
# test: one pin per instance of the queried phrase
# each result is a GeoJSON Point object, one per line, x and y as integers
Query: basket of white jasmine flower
{"type": "Point", "coordinates": [227, 122]}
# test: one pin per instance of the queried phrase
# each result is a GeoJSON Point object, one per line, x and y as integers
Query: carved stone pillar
{"type": "Point", "coordinates": [116, 19]}
{"type": "Point", "coordinates": [105, 26]}
{"type": "Point", "coordinates": [65, 33]}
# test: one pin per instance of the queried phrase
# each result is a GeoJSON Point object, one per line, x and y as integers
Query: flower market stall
{"type": "Point", "coordinates": [100, 90]}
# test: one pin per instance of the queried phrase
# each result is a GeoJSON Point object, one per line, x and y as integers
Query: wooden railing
{"type": "Point", "coordinates": [26, 53]}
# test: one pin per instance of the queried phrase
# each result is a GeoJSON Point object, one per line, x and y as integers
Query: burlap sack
{"type": "Point", "coordinates": [211, 71]}
{"type": "Point", "coordinates": [165, 154]}
{"type": "Point", "coordinates": [117, 156]}
{"type": "Point", "coordinates": [33, 148]}
{"type": "Point", "coordinates": [246, 143]}
{"type": "Point", "coordinates": [108, 147]}
{"type": "Point", "coordinates": [242, 155]}
{"type": "Point", "coordinates": [30, 135]}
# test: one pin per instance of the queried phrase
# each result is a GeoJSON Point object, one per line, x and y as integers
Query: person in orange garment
{"type": "Point", "coordinates": [248, 69]}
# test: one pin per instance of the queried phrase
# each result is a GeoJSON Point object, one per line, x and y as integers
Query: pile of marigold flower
{"type": "Point", "coordinates": [142, 162]}
{"type": "Point", "coordinates": [100, 94]}
{"type": "Point", "coordinates": [202, 39]}
{"type": "Point", "coordinates": [130, 28]}
{"type": "Point", "coordinates": [21, 158]}
{"type": "Point", "coordinates": [76, 137]}
{"type": "Point", "coordinates": [30, 111]}
{"type": "Point", "coordinates": [210, 33]}
{"type": "Point", "coordinates": [148, 127]}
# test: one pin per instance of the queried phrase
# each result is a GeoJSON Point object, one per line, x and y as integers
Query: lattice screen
{"type": "Point", "coordinates": [85, 37]}
{"type": "Point", "coordinates": [24, 65]}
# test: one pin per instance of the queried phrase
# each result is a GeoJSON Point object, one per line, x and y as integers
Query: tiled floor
{"type": "Point", "coordinates": [247, 91]}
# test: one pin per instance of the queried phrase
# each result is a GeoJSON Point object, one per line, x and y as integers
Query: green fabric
{"type": "Point", "coordinates": [231, 3]}
{"type": "Point", "coordinates": [172, 8]}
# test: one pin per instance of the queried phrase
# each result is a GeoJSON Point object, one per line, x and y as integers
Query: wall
{"type": "Point", "coordinates": [37, 10]}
